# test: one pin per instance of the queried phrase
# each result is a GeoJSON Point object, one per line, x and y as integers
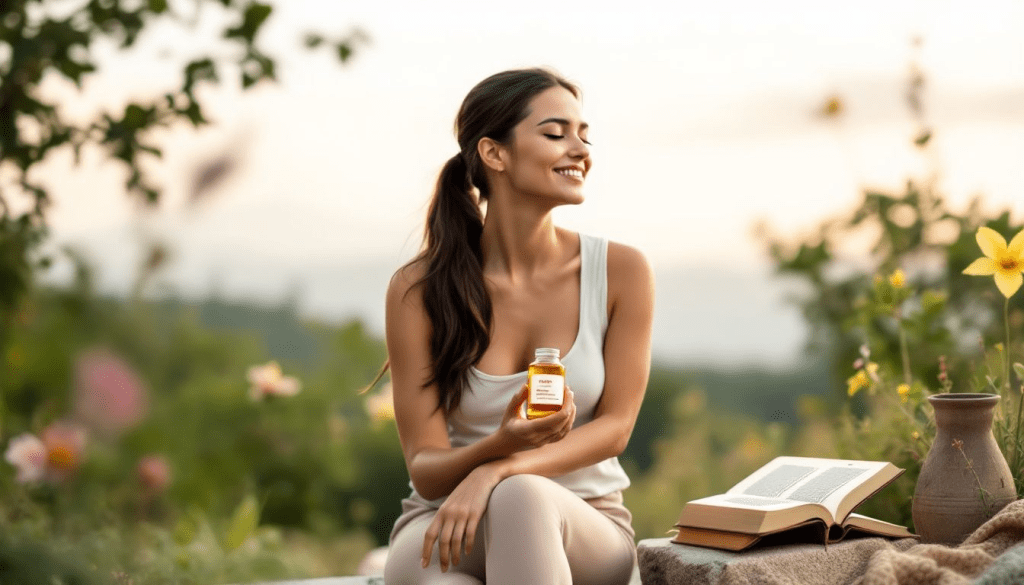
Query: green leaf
{"type": "Point", "coordinates": [243, 523]}
{"type": "Point", "coordinates": [158, 6]}
{"type": "Point", "coordinates": [185, 530]}
{"type": "Point", "coordinates": [135, 116]}
{"type": "Point", "coordinates": [344, 51]}
{"type": "Point", "coordinates": [313, 40]}
{"type": "Point", "coordinates": [199, 70]}
{"type": "Point", "coordinates": [253, 18]}
{"type": "Point", "coordinates": [1019, 369]}
{"type": "Point", "coordinates": [923, 138]}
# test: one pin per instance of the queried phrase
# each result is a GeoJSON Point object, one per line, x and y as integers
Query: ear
{"type": "Point", "coordinates": [492, 153]}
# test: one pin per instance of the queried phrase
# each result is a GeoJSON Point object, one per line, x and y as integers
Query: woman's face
{"type": "Point", "coordinates": [549, 155]}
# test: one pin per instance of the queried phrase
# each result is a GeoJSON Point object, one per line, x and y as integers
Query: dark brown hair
{"type": "Point", "coordinates": [454, 295]}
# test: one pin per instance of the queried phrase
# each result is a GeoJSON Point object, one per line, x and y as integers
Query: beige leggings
{"type": "Point", "coordinates": [534, 531]}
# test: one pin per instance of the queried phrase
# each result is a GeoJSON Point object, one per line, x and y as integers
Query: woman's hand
{"type": "Point", "coordinates": [454, 526]}
{"type": "Point", "coordinates": [520, 433]}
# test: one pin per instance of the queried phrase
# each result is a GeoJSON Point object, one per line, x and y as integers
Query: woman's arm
{"type": "Point", "coordinates": [434, 466]}
{"type": "Point", "coordinates": [627, 359]}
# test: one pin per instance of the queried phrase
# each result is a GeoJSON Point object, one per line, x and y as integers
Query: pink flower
{"type": "Point", "coordinates": [154, 473]}
{"type": "Point", "coordinates": [109, 396]}
{"type": "Point", "coordinates": [267, 380]}
{"type": "Point", "coordinates": [53, 458]}
{"type": "Point", "coordinates": [28, 455]}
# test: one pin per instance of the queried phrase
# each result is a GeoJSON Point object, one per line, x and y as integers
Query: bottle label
{"type": "Point", "coordinates": [546, 389]}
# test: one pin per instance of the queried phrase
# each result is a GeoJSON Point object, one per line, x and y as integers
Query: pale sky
{"type": "Point", "coordinates": [703, 117]}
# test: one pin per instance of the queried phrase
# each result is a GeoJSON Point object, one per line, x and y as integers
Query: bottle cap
{"type": "Point", "coordinates": [546, 352]}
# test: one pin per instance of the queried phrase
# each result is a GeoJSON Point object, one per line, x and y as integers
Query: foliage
{"type": "Point", "coordinates": [41, 42]}
{"type": "Point", "coordinates": [903, 320]}
{"type": "Point", "coordinates": [249, 479]}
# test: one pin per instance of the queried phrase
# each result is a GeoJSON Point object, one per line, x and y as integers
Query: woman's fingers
{"type": "Point", "coordinates": [429, 537]}
{"type": "Point", "coordinates": [458, 532]}
{"type": "Point", "coordinates": [572, 413]}
{"type": "Point", "coordinates": [444, 544]}
{"type": "Point", "coordinates": [512, 410]}
{"type": "Point", "coordinates": [471, 524]}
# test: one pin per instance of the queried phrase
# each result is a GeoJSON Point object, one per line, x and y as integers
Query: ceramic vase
{"type": "Point", "coordinates": [965, 479]}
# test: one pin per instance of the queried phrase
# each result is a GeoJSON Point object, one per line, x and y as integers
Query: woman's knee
{"type": "Point", "coordinates": [519, 489]}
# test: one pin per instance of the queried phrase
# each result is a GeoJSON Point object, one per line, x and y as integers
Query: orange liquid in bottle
{"type": "Point", "coordinates": [546, 394]}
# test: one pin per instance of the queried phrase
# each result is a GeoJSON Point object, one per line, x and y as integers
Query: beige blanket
{"type": "Point", "coordinates": [980, 557]}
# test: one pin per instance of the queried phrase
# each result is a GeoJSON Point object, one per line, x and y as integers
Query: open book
{"type": "Point", "coordinates": [816, 495]}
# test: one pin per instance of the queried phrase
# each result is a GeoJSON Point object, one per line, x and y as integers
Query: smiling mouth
{"type": "Point", "coordinates": [571, 173]}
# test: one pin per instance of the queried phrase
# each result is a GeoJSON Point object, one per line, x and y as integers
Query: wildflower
{"type": "Point", "coordinates": [752, 447]}
{"type": "Point", "coordinates": [28, 455]}
{"type": "Point", "coordinates": [64, 443]}
{"type": "Point", "coordinates": [858, 363]}
{"type": "Point", "coordinates": [154, 473]}
{"type": "Point", "coordinates": [865, 351]}
{"type": "Point", "coordinates": [872, 370]}
{"type": "Point", "coordinates": [267, 380]}
{"type": "Point", "coordinates": [52, 458]}
{"type": "Point", "coordinates": [109, 396]}
{"type": "Point", "coordinates": [915, 435]}
{"type": "Point", "coordinates": [832, 107]}
{"type": "Point", "coordinates": [381, 406]}
{"type": "Point", "coordinates": [904, 391]}
{"type": "Point", "coordinates": [1004, 262]}
{"type": "Point", "coordinates": [897, 279]}
{"type": "Point", "coordinates": [857, 382]}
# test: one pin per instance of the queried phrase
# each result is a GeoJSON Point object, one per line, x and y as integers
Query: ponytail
{"type": "Point", "coordinates": [453, 283]}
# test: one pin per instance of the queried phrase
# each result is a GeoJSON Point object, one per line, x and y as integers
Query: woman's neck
{"type": "Point", "coordinates": [519, 241]}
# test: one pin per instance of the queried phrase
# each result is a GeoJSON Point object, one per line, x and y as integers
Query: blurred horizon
{"type": "Point", "coordinates": [706, 119]}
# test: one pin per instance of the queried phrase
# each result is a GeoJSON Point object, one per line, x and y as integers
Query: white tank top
{"type": "Point", "coordinates": [485, 397]}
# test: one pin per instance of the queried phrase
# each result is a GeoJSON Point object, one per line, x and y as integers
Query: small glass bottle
{"type": "Point", "coordinates": [547, 384]}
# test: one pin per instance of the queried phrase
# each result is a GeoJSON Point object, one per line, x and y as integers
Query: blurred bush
{"type": "Point", "coordinates": [148, 440]}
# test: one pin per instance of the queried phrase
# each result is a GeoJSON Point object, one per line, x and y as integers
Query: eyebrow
{"type": "Point", "coordinates": [563, 122]}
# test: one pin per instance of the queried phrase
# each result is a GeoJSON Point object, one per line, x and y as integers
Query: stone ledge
{"type": "Point", "coordinates": [374, 580]}
{"type": "Point", "coordinates": [663, 562]}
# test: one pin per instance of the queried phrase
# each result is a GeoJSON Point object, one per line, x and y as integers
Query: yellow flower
{"type": "Point", "coordinates": [832, 107]}
{"type": "Point", "coordinates": [897, 279]}
{"type": "Point", "coordinates": [856, 382]}
{"type": "Point", "coordinates": [915, 435]}
{"type": "Point", "coordinates": [903, 390]}
{"type": "Point", "coordinates": [1004, 261]}
{"type": "Point", "coordinates": [872, 370]}
{"type": "Point", "coordinates": [381, 406]}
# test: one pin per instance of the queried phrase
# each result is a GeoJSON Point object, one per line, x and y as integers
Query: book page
{"type": "Point", "coordinates": [807, 480]}
{"type": "Point", "coordinates": [745, 501]}
{"type": "Point", "coordinates": [875, 526]}
{"type": "Point", "coordinates": [748, 514]}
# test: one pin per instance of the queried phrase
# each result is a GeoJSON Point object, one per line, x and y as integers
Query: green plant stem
{"type": "Point", "coordinates": [1009, 386]}
{"type": "Point", "coordinates": [904, 352]}
{"type": "Point", "coordinates": [1006, 348]}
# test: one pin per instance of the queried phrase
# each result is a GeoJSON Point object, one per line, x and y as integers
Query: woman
{"type": "Point", "coordinates": [498, 498]}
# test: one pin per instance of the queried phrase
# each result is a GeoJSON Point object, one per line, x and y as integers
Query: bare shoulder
{"type": "Point", "coordinates": [406, 284]}
{"type": "Point", "coordinates": [628, 267]}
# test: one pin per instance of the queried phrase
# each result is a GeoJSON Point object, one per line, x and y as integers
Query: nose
{"type": "Point", "coordinates": [580, 149]}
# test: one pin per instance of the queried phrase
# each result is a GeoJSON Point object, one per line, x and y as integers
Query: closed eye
{"type": "Point", "coordinates": [558, 137]}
